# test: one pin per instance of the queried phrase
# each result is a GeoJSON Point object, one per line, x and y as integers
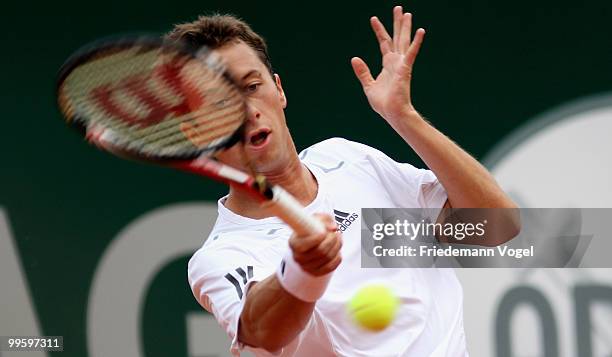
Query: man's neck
{"type": "Point", "coordinates": [295, 179]}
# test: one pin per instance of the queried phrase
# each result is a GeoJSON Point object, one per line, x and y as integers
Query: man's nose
{"type": "Point", "coordinates": [252, 112]}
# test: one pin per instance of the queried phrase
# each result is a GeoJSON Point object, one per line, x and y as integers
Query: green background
{"type": "Point", "coordinates": [485, 68]}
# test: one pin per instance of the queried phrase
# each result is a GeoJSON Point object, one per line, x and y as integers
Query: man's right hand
{"type": "Point", "coordinates": [318, 254]}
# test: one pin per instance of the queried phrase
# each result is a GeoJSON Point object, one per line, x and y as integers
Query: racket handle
{"type": "Point", "coordinates": [284, 206]}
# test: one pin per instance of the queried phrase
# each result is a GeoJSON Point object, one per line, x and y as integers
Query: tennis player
{"type": "Point", "coordinates": [276, 293]}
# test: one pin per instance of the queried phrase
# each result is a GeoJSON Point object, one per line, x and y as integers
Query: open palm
{"type": "Point", "coordinates": [389, 93]}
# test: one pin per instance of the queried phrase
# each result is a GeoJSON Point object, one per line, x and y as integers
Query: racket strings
{"type": "Point", "coordinates": [204, 127]}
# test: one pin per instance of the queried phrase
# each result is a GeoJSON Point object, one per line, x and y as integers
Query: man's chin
{"type": "Point", "coordinates": [268, 162]}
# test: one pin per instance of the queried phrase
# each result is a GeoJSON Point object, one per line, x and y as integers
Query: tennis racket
{"type": "Point", "coordinates": [146, 99]}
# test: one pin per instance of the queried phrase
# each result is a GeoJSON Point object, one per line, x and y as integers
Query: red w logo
{"type": "Point", "coordinates": [152, 108]}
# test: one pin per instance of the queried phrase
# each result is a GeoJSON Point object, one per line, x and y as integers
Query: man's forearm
{"type": "Point", "coordinates": [467, 183]}
{"type": "Point", "coordinates": [272, 317]}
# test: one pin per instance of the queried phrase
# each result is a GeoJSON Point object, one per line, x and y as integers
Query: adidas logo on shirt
{"type": "Point", "coordinates": [344, 219]}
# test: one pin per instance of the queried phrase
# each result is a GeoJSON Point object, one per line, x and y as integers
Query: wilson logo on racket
{"type": "Point", "coordinates": [138, 104]}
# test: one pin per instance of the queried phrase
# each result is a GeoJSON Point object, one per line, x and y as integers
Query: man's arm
{"type": "Point", "coordinates": [467, 183]}
{"type": "Point", "coordinates": [272, 317]}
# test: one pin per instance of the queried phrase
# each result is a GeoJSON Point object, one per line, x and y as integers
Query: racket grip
{"type": "Point", "coordinates": [284, 206]}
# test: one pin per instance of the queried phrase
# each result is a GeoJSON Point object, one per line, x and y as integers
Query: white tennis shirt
{"type": "Point", "coordinates": [350, 176]}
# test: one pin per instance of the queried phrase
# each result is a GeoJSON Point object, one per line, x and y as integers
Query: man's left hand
{"type": "Point", "coordinates": [389, 93]}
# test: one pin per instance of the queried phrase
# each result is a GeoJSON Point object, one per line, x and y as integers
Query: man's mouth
{"type": "Point", "coordinates": [258, 138]}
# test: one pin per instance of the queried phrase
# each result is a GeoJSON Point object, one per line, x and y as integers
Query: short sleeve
{"type": "Point", "coordinates": [220, 280]}
{"type": "Point", "coordinates": [407, 185]}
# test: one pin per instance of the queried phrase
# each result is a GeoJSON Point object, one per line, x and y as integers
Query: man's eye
{"type": "Point", "coordinates": [252, 87]}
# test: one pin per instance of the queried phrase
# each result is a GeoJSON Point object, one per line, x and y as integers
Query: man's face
{"type": "Point", "coordinates": [267, 143]}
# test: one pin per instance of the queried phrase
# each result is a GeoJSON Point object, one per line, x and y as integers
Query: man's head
{"type": "Point", "coordinates": [268, 144]}
{"type": "Point", "coordinates": [219, 30]}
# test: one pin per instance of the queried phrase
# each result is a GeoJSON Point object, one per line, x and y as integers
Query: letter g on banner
{"type": "Point", "coordinates": [129, 265]}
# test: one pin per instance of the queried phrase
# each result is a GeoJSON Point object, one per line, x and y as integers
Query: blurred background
{"type": "Point", "coordinates": [95, 249]}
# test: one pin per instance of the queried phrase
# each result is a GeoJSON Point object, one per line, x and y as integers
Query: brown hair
{"type": "Point", "coordinates": [218, 30]}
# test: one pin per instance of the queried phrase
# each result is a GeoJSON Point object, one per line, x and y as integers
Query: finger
{"type": "Point", "coordinates": [316, 264]}
{"type": "Point", "coordinates": [414, 48]}
{"type": "Point", "coordinates": [328, 267]}
{"type": "Point", "coordinates": [362, 72]}
{"type": "Point", "coordinates": [406, 32]}
{"type": "Point", "coordinates": [326, 250]}
{"type": "Point", "coordinates": [384, 40]}
{"type": "Point", "coordinates": [327, 221]}
{"type": "Point", "coordinates": [300, 245]}
{"type": "Point", "coordinates": [397, 22]}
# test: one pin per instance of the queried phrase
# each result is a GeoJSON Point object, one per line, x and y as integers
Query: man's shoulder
{"type": "Point", "coordinates": [235, 237]}
{"type": "Point", "coordinates": [229, 238]}
{"type": "Point", "coordinates": [224, 250]}
{"type": "Point", "coordinates": [221, 248]}
{"type": "Point", "coordinates": [337, 149]}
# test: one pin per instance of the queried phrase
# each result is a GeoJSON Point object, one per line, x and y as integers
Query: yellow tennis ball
{"type": "Point", "coordinates": [373, 307]}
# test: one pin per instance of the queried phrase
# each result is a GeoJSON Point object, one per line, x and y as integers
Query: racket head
{"type": "Point", "coordinates": [141, 97]}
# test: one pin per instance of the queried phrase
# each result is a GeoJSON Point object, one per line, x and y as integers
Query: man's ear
{"type": "Point", "coordinates": [279, 87]}
{"type": "Point", "coordinates": [191, 132]}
